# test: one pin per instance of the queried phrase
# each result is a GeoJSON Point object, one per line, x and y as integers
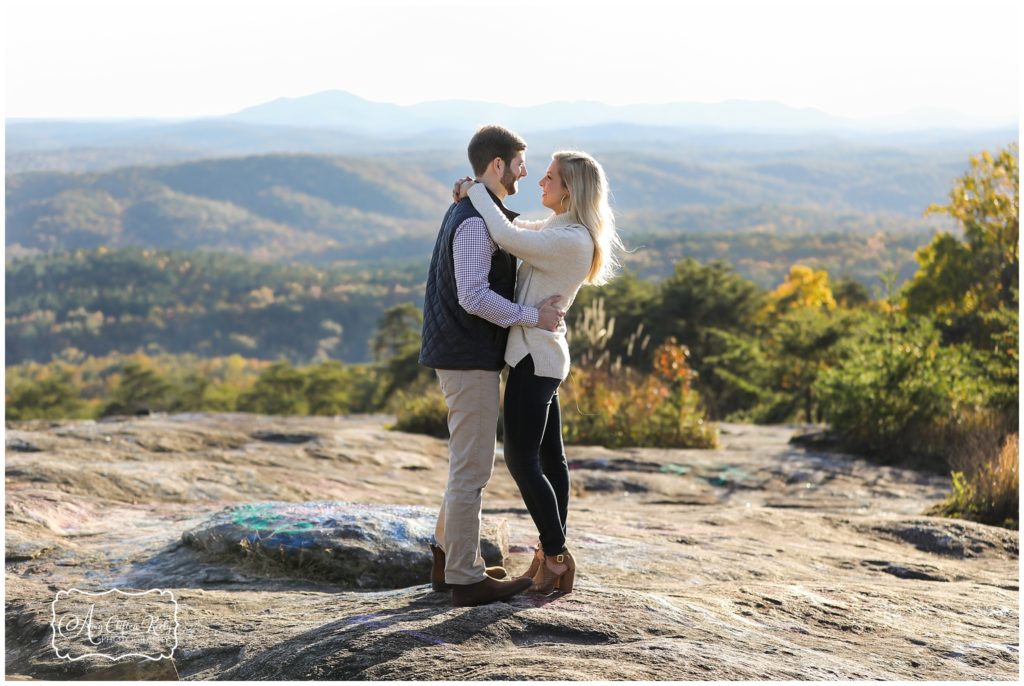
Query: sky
{"type": "Point", "coordinates": [183, 58]}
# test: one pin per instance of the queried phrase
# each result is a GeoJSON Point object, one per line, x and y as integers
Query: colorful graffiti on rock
{"type": "Point", "coordinates": [284, 527]}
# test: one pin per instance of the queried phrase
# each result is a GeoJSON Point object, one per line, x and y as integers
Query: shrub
{"type": "Point", "coordinates": [280, 389]}
{"type": "Point", "coordinates": [53, 396]}
{"type": "Point", "coordinates": [768, 376]}
{"type": "Point", "coordinates": [894, 386]}
{"type": "Point", "coordinates": [610, 405]}
{"type": "Point", "coordinates": [141, 389]}
{"type": "Point", "coordinates": [421, 413]}
{"type": "Point", "coordinates": [616, 406]}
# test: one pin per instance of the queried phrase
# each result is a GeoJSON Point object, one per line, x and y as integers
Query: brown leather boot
{"type": "Point", "coordinates": [487, 591]}
{"type": "Point", "coordinates": [437, 581]}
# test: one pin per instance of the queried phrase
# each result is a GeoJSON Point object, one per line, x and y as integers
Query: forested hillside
{"type": "Point", "coordinates": [320, 209]}
{"type": "Point", "coordinates": [272, 207]}
{"type": "Point", "coordinates": [210, 304]}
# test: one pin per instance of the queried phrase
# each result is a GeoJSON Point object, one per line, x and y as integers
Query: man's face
{"type": "Point", "coordinates": [513, 172]}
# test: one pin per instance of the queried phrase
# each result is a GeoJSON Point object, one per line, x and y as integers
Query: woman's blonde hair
{"type": "Point", "coordinates": [587, 185]}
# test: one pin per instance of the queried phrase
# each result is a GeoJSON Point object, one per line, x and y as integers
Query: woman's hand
{"type": "Point", "coordinates": [464, 188]}
{"type": "Point", "coordinates": [460, 189]}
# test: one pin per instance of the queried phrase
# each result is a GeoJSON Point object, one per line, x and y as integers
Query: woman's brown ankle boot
{"type": "Point", "coordinates": [535, 563]}
{"type": "Point", "coordinates": [557, 573]}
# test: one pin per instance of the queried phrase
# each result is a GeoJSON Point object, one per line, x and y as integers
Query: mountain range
{"type": "Point", "coordinates": [333, 176]}
{"type": "Point", "coordinates": [342, 110]}
{"type": "Point", "coordinates": [319, 208]}
{"type": "Point", "coordinates": [340, 123]}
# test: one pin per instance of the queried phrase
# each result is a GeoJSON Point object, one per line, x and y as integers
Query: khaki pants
{"type": "Point", "coordinates": [472, 398]}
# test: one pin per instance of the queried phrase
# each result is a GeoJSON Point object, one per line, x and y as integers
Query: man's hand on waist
{"type": "Point", "coordinates": [549, 315]}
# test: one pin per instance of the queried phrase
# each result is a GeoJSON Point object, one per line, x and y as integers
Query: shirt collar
{"type": "Point", "coordinates": [501, 206]}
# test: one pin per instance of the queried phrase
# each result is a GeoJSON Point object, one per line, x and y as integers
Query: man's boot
{"type": "Point", "coordinates": [437, 581]}
{"type": "Point", "coordinates": [487, 591]}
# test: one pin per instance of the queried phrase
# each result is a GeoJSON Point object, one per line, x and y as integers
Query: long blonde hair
{"type": "Point", "coordinates": [584, 178]}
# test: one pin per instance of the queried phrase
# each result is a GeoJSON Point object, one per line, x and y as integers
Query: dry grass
{"type": "Point", "coordinates": [997, 484]}
{"type": "Point", "coordinates": [985, 459]}
{"type": "Point", "coordinates": [970, 440]}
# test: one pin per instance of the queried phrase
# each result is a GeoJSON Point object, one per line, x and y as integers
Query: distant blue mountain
{"type": "Point", "coordinates": [342, 110]}
{"type": "Point", "coordinates": [340, 123]}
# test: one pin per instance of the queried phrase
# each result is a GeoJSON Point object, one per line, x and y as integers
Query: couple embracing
{"type": "Point", "coordinates": [481, 312]}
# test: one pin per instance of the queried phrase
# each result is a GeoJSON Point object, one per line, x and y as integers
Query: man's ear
{"type": "Point", "coordinates": [499, 166]}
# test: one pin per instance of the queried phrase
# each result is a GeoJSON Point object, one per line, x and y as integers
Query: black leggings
{"type": "Point", "coordinates": [534, 453]}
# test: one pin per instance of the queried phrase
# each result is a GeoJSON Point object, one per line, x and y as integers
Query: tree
{"type": "Point", "coordinates": [396, 346]}
{"type": "Point", "coordinates": [280, 389]}
{"type": "Point", "coordinates": [329, 389]}
{"type": "Point", "coordinates": [737, 380]}
{"type": "Point", "coordinates": [986, 203]}
{"type": "Point", "coordinates": [803, 344]}
{"type": "Point", "coordinates": [851, 293]}
{"type": "Point", "coordinates": [699, 298]}
{"type": "Point", "coordinates": [693, 306]}
{"type": "Point", "coordinates": [771, 377]}
{"type": "Point", "coordinates": [894, 387]}
{"type": "Point", "coordinates": [141, 390]}
{"type": "Point", "coordinates": [188, 396]}
{"type": "Point", "coordinates": [960, 280]}
{"type": "Point", "coordinates": [398, 330]}
{"type": "Point", "coordinates": [53, 397]}
{"type": "Point", "coordinates": [803, 288]}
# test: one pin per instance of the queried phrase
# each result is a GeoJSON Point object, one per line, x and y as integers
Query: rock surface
{"type": "Point", "coordinates": [351, 544]}
{"type": "Point", "coordinates": [761, 560]}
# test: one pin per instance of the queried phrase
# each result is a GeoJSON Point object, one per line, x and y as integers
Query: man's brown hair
{"type": "Point", "coordinates": [490, 142]}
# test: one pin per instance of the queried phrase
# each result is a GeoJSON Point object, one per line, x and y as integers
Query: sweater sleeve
{"type": "Point", "coordinates": [531, 224]}
{"type": "Point", "coordinates": [543, 249]}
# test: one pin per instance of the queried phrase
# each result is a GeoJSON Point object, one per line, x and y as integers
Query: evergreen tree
{"type": "Point", "coordinates": [280, 389]}
{"type": "Point", "coordinates": [142, 390]}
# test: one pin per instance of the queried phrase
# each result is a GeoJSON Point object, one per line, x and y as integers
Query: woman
{"type": "Point", "coordinates": [575, 245]}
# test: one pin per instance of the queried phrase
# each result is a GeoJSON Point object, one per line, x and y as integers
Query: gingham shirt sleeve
{"type": "Point", "coordinates": [473, 250]}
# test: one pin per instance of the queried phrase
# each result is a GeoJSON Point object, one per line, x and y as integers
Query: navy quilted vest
{"type": "Point", "coordinates": [453, 338]}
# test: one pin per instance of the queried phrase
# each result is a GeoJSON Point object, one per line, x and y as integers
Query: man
{"type": "Point", "coordinates": [466, 314]}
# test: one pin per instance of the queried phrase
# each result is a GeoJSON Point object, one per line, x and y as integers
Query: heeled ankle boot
{"type": "Point", "coordinates": [535, 563]}
{"type": "Point", "coordinates": [558, 572]}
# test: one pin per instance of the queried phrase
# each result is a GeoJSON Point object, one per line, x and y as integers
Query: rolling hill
{"type": "Point", "coordinates": [269, 207]}
{"type": "Point", "coordinates": [325, 208]}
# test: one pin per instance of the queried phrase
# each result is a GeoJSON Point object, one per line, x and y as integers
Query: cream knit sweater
{"type": "Point", "coordinates": [556, 255]}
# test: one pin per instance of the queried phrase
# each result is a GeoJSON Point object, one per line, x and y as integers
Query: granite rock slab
{"type": "Point", "coordinates": [353, 544]}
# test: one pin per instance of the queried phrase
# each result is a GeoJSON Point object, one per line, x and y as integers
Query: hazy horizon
{"type": "Point", "coordinates": [114, 60]}
{"type": "Point", "coordinates": [994, 121]}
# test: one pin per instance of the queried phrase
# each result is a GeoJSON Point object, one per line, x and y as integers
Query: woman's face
{"type": "Point", "coordinates": [552, 192]}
